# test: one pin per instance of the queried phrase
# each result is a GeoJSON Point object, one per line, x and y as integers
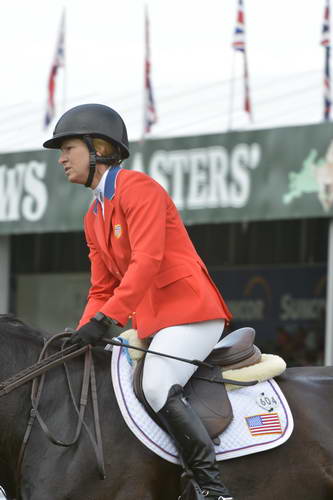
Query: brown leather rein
{"type": "Point", "coordinates": [36, 373]}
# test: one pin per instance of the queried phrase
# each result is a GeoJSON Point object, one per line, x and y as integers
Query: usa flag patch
{"type": "Point", "coordinates": [117, 230]}
{"type": "Point", "coordinates": [266, 423]}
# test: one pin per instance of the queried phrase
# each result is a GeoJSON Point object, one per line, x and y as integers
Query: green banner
{"type": "Point", "coordinates": [239, 176]}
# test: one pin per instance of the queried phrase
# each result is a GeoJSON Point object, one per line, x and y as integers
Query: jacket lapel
{"type": "Point", "coordinates": [103, 225]}
{"type": "Point", "coordinates": [99, 227]}
{"type": "Point", "coordinates": [109, 192]}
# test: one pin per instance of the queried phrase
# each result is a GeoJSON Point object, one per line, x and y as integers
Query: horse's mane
{"type": "Point", "coordinates": [10, 318]}
{"type": "Point", "coordinates": [15, 325]}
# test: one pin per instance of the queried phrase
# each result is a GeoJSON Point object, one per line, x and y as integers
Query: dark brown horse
{"type": "Point", "coordinates": [301, 469]}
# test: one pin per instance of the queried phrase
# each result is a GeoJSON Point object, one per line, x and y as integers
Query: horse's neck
{"type": "Point", "coordinates": [13, 421]}
{"type": "Point", "coordinates": [15, 355]}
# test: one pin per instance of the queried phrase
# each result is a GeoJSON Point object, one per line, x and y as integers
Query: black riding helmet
{"type": "Point", "coordinates": [88, 121]}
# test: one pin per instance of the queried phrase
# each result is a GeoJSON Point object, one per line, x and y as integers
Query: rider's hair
{"type": "Point", "coordinates": [106, 148]}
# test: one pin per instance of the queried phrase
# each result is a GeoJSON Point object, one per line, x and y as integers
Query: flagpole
{"type": "Point", "coordinates": [329, 299]}
{"type": "Point", "coordinates": [58, 62]}
{"type": "Point", "coordinates": [64, 97]}
{"type": "Point", "coordinates": [247, 101]}
{"type": "Point", "coordinates": [327, 85]}
{"type": "Point", "coordinates": [326, 43]}
{"type": "Point", "coordinates": [231, 92]}
{"type": "Point", "coordinates": [240, 45]}
{"type": "Point", "coordinates": [149, 110]}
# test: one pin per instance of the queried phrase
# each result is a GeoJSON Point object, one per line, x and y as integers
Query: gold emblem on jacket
{"type": "Point", "coordinates": [117, 230]}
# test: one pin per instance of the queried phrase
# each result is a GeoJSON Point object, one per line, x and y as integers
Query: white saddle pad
{"type": "Point", "coordinates": [262, 418]}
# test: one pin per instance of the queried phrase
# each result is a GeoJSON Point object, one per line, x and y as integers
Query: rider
{"type": "Point", "coordinates": [144, 267]}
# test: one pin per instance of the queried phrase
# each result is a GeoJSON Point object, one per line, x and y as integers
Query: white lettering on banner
{"type": "Point", "coordinates": [198, 179]}
{"type": "Point", "coordinates": [23, 192]}
{"type": "Point", "coordinates": [178, 166]}
{"type": "Point", "coordinates": [247, 309]}
{"type": "Point", "coordinates": [301, 308]}
{"type": "Point", "coordinates": [206, 177]}
{"type": "Point", "coordinates": [34, 204]}
{"type": "Point", "coordinates": [240, 185]}
{"type": "Point", "coordinates": [218, 195]}
{"type": "Point", "coordinates": [11, 186]}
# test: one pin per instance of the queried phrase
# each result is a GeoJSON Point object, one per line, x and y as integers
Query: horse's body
{"type": "Point", "coordinates": [301, 469]}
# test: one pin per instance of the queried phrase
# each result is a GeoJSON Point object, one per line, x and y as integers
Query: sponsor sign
{"type": "Point", "coordinates": [234, 177]}
{"type": "Point", "coordinates": [276, 300]}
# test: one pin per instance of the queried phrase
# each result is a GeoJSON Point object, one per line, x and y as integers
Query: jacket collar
{"type": "Point", "coordinates": [99, 189]}
{"type": "Point", "coordinates": [110, 182]}
{"type": "Point", "coordinates": [106, 187]}
{"type": "Point", "coordinates": [102, 225]}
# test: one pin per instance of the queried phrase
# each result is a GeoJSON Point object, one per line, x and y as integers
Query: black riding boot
{"type": "Point", "coordinates": [193, 443]}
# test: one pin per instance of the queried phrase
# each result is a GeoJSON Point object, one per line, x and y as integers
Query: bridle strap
{"type": "Point", "coordinates": [36, 393]}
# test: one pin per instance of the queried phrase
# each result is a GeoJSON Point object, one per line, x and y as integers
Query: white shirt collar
{"type": "Point", "coordinates": [99, 189]}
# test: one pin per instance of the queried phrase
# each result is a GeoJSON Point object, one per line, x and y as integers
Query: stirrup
{"type": "Point", "coordinates": [206, 493]}
{"type": "Point", "coordinates": [190, 488]}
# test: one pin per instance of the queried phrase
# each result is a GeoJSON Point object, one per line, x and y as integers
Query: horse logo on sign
{"type": "Point", "coordinates": [315, 176]}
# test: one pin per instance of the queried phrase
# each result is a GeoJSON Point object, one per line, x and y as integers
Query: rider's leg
{"type": "Point", "coordinates": [163, 380]}
{"type": "Point", "coordinates": [191, 341]}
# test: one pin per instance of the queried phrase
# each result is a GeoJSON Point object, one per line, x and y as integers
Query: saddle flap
{"type": "Point", "coordinates": [209, 400]}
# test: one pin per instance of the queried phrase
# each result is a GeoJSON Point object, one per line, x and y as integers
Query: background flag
{"type": "Point", "coordinates": [240, 45]}
{"type": "Point", "coordinates": [326, 43]}
{"type": "Point", "coordinates": [150, 116]}
{"type": "Point", "coordinates": [58, 62]}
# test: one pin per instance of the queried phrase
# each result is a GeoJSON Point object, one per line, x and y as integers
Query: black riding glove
{"type": "Point", "coordinates": [90, 333]}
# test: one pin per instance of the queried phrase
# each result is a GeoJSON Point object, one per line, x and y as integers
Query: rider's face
{"type": "Point", "coordinates": [74, 158]}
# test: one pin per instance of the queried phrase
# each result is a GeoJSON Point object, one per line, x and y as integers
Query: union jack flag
{"type": "Point", "coordinates": [266, 423]}
{"type": "Point", "coordinates": [239, 34]}
{"type": "Point", "coordinates": [326, 43]}
{"type": "Point", "coordinates": [58, 62]}
{"type": "Point", "coordinates": [150, 115]}
{"type": "Point", "coordinates": [239, 44]}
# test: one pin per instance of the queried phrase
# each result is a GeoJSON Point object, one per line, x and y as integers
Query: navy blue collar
{"type": "Point", "coordinates": [110, 182]}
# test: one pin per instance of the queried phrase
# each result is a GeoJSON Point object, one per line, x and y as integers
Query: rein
{"type": "Point", "coordinates": [37, 373]}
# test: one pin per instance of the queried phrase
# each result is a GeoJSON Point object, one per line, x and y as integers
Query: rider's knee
{"type": "Point", "coordinates": [154, 393]}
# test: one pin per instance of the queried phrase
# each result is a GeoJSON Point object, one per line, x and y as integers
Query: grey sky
{"type": "Point", "coordinates": [191, 58]}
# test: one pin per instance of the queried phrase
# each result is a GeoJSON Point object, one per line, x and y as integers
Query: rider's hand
{"type": "Point", "coordinates": [90, 333]}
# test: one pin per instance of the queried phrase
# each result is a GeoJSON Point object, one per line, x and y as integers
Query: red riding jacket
{"type": "Point", "coordinates": [143, 263]}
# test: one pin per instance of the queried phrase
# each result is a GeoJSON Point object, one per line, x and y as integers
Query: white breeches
{"type": "Point", "coordinates": [190, 341]}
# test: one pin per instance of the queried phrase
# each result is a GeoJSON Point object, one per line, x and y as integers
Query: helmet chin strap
{"type": "Point", "coordinates": [93, 159]}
